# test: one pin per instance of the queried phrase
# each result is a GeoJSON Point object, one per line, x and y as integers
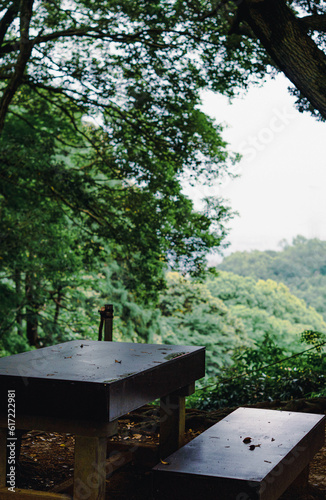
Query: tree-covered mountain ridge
{"type": "Point", "coordinates": [228, 313]}
{"type": "Point", "coordinates": [301, 266]}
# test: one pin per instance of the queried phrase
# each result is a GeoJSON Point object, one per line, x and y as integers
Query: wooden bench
{"type": "Point", "coordinates": [251, 454]}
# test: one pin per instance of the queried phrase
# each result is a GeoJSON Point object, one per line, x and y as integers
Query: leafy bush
{"type": "Point", "coordinates": [266, 373]}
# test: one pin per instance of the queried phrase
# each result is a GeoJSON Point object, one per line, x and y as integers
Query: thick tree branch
{"type": "Point", "coordinates": [315, 22]}
{"type": "Point", "coordinates": [89, 32]}
{"type": "Point", "coordinates": [22, 60]}
{"type": "Point", "coordinates": [8, 18]}
{"type": "Point", "coordinates": [97, 219]}
{"type": "Point", "coordinates": [211, 13]}
{"type": "Point", "coordinates": [288, 44]}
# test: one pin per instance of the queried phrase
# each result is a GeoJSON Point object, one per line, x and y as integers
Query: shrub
{"type": "Point", "coordinates": [266, 373]}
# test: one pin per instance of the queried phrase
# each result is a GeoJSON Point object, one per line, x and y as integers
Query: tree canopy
{"type": "Point", "coordinates": [190, 314]}
{"type": "Point", "coordinates": [265, 306]}
{"type": "Point", "coordinates": [300, 265]}
{"type": "Point", "coordinates": [228, 313]}
{"type": "Point", "coordinates": [125, 66]}
{"type": "Point", "coordinates": [100, 123]}
{"type": "Point", "coordinates": [69, 208]}
{"type": "Point", "coordinates": [125, 58]}
{"type": "Point", "coordinates": [78, 194]}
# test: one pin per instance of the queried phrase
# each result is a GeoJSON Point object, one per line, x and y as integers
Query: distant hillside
{"type": "Point", "coordinates": [301, 266]}
{"type": "Point", "coordinates": [227, 312]}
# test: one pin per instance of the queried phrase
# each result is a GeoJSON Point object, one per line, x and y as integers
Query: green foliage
{"type": "Point", "coordinates": [192, 316]}
{"type": "Point", "coordinates": [94, 214]}
{"type": "Point", "coordinates": [228, 312]}
{"type": "Point", "coordinates": [133, 51]}
{"type": "Point", "coordinates": [266, 373]}
{"type": "Point", "coordinates": [133, 321]}
{"type": "Point", "coordinates": [273, 320]}
{"type": "Point", "coordinates": [301, 266]}
{"type": "Point", "coordinates": [135, 58]}
{"type": "Point", "coordinates": [266, 307]}
{"type": "Point", "coordinates": [68, 207]}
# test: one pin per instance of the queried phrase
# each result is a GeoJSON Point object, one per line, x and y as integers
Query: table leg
{"type": "Point", "coordinates": [90, 473]}
{"type": "Point", "coordinates": [172, 420]}
{"type": "Point", "coordinates": [300, 484]}
{"type": "Point", "coordinates": [3, 456]}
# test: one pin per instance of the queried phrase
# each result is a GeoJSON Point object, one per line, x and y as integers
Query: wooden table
{"type": "Point", "coordinates": [83, 387]}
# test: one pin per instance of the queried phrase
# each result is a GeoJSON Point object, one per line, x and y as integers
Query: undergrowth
{"type": "Point", "coordinates": [266, 373]}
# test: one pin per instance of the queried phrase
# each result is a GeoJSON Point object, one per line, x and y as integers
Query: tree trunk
{"type": "Point", "coordinates": [57, 305]}
{"type": "Point", "coordinates": [18, 286]}
{"type": "Point", "coordinates": [31, 313]}
{"type": "Point", "coordinates": [31, 329]}
{"type": "Point", "coordinates": [287, 42]}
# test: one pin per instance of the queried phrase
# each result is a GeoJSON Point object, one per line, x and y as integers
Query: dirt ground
{"type": "Point", "coordinates": [47, 458]}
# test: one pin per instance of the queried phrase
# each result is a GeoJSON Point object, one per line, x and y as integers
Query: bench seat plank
{"type": "Point", "coordinates": [218, 461]}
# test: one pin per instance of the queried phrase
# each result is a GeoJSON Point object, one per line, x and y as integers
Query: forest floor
{"type": "Point", "coordinates": [47, 459]}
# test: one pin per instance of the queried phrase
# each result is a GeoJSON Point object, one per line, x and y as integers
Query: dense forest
{"type": "Point", "coordinates": [262, 340]}
{"type": "Point", "coordinates": [301, 266]}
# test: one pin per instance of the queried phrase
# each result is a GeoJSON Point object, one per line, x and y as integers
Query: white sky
{"type": "Point", "coordinates": [281, 191]}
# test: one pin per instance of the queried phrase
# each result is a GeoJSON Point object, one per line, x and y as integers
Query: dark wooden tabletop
{"type": "Point", "coordinates": [101, 380]}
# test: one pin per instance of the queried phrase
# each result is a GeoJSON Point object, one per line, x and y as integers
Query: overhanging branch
{"type": "Point", "coordinates": [315, 22]}
{"type": "Point", "coordinates": [286, 41]}
{"type": "Point", "coordinates": [90, 32]}
{"type": "Point", "coordinates": [25, 50]}
{"type": "Point", "coordinates": [8, 18]}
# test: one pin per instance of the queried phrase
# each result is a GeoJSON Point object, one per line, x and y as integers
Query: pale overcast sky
{"type": "Point", "coordinates": [281, 191]}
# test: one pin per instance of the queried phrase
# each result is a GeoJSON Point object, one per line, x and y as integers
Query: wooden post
{"type": "Point", "coordinates": [172, 420]}
{"type": "Point", "coordinates": [108, 322]}
{"type": "Point", "coordinates": [90, 455]}
{"type": "Point", "coordinates": [106, 313]}
{"type": "Point", "coordinates": [90, 472]}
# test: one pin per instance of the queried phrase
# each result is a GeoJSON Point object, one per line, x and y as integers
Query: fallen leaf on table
{"type": "Point", "coordinates": [253, 446]}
